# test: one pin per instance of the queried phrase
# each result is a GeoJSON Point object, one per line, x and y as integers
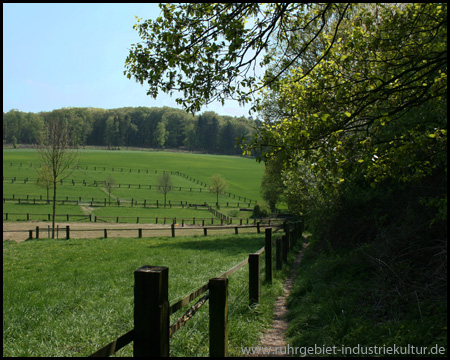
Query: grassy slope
{"type": "Point", "coordinates": [243, 176]}
{"type": "Point", "coordinates": [69, 298]}
{"type": "Point", "coordinates": [337, 301]}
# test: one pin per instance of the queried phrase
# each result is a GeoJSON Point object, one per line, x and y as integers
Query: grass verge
{"type": "Point", "coordinates": [337, 300]}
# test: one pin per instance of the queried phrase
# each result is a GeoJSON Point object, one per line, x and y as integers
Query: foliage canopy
{"type": "Point", "coordinates": [209, 52]}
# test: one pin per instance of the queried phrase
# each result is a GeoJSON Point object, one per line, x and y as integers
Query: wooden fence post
{"type": "Point", "coordinates": [218, 317]}
{"type": "Point", "coordinates": [67, 232]}
{"type": "Point", "coordinates": [37, 232]}
{"type": "Point", "coordinates": [140, 233]}
{"type": "Point", "coordinates": [268, 250]}
{"type": "Point", "coordinates": [254, 283]}
{"type": "Point", "coordinates": [279, 253]}
{"type": "Point", "coordinates": [173, 230]}
{"type": "Point", "coordinates": [151, 312]}
{"type": "Point", "coordinates": [285, 244]}
{"type": "Point", "coordinates": [105, 234]}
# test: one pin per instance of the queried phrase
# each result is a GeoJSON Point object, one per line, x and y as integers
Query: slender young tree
{"type": "Point", "coordinates": [165, 185]}
{"type": "Point", "coordinates": [57, 155]}
{"type": "Point", "coordinates": [44, 179]}
{"type": "Point", "coordinates": [218, 186]}
{"type": "Point", "coordinates": [110, 184]}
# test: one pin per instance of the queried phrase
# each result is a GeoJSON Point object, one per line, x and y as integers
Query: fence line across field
{"type": "Point", "coordinates": [220, 218]}
{"type": "Point", "coordinates": [92, 201]}
{"type": "Point", "coordinates": [68, 230]}
{"type": "Point", "coordinates": [96, 183]}
{"type": "Point", "coordinates": [127, 170]}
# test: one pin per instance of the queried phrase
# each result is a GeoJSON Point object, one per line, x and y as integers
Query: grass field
{"type": "Point", "coordinates": [136, 175]}
{"type": "Point", "coordinates": [69, 298]}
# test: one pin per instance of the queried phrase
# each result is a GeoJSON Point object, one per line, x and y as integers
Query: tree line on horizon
{"type": "Point", "coordinates": [155, 127]}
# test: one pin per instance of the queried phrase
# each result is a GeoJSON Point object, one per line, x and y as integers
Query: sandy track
{"type": "Point", "coordinates": [96, 230]}
{"type": "Point", "coordinates": [274, 339]}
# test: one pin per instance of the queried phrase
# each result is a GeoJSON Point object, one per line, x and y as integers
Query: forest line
{"type": "Point", "coordinates": [154, 127]}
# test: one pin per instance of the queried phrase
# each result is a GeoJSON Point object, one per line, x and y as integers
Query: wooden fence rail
{"type": "Point", "coordinates": [152, 331]}
{"type": "Point", "coordinates": [96, 183]}
{"type": "Point", "coordinates": [144, 219]}
{"type": "Point", "coordinates": [129, 170]}
{"type": "Point", "coordinates": [92, 201]}
{"type": "Point", "coordinates": [173, 229]}
{"type": "Point", "coordinates": [47, 216]}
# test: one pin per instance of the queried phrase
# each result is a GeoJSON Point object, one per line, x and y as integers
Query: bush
{"type": "Point", "coordinates": [402, 231]}
{"type": "Point", "coordinates": [260, 211]}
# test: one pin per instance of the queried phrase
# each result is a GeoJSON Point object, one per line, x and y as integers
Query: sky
{"type": "Point", "coordinates": [73, 55]}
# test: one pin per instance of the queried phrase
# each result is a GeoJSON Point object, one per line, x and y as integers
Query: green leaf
{"type": "Point", "coordinates": [324, 117]}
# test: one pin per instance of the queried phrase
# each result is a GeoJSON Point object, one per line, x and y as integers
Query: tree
{"type": "Point", "coordinates": [218, 186]}
{"type": "Point", "coordinates": [272, 186]}
{"type": "Point", "coordinates": [175, 121]}
{"type": "Point", "coordinates": [343, 70]}
{"type": "Point", "coordinates": [44, 179]}
{"type": "Point", "coordinates": [110, 184]}
{"type": "Point", "coordinates": [207, 52]}
{"type": "Point", "coordinates": [112, 131]}
{"type": "Point", "coordinates": [165, 185]}
{"type": "Point", "coordinates": [375, 104]}
{"type": "Point", "coordinates": [207, 131]}
{"type": "Point", "coordinates": [363, 137]}
{"type": "Point", "coordinates": [227, 138]}
{"type": "Point", "coordinates": [57, 156]}
{"type": "Point", "coordinates": [161, 134]}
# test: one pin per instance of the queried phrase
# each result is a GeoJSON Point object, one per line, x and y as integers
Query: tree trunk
{"type": "Point", "coordinates": [54, 209]}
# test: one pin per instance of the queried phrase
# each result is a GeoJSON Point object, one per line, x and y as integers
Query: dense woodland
{"type": "Point", "coordinates": [138, 127]}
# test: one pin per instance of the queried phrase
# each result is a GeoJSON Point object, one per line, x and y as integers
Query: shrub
{"type": "Point", "coordinates": [260, 211]}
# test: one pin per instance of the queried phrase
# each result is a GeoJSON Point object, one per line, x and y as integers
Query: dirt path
{"type": "Point", "coordinates": [18, 231]}
{"type": "Point", "coordinates": [274, 338]}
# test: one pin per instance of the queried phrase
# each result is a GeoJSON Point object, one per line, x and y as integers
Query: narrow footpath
{"type": "Point", "coordinates": [274, 338]}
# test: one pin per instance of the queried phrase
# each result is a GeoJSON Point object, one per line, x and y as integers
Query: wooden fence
{"type": "Point", "coordinates": [126, 170]}
{"type": "Point", "coordinates": [67, 230]}
{"type": "Point", "coordinates": [222, 219]}
{"type": "Point", "coordinates": [92, 201]}
{"type": "Point", "coordinates": [152, 329]}
{"type": "Point", "coordinates": [96, 183]}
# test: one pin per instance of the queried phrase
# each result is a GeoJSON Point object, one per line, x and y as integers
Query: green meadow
{"type": "Point", "coordinates": [136, 182]}
{"type": "Point", "coordinates": [71, 297]}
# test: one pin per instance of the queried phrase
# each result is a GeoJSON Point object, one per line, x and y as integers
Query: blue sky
{"type": "Point", "coordinates": [62, 55]}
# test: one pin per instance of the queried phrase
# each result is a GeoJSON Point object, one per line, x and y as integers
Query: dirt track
{"type": "Point", "coordinates": [96, 230]}
{"type": "Point", "coordinates": [274, 339]}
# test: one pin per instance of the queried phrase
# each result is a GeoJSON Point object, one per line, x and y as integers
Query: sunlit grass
{"type": "Point", "coordinates": [71, 297]}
